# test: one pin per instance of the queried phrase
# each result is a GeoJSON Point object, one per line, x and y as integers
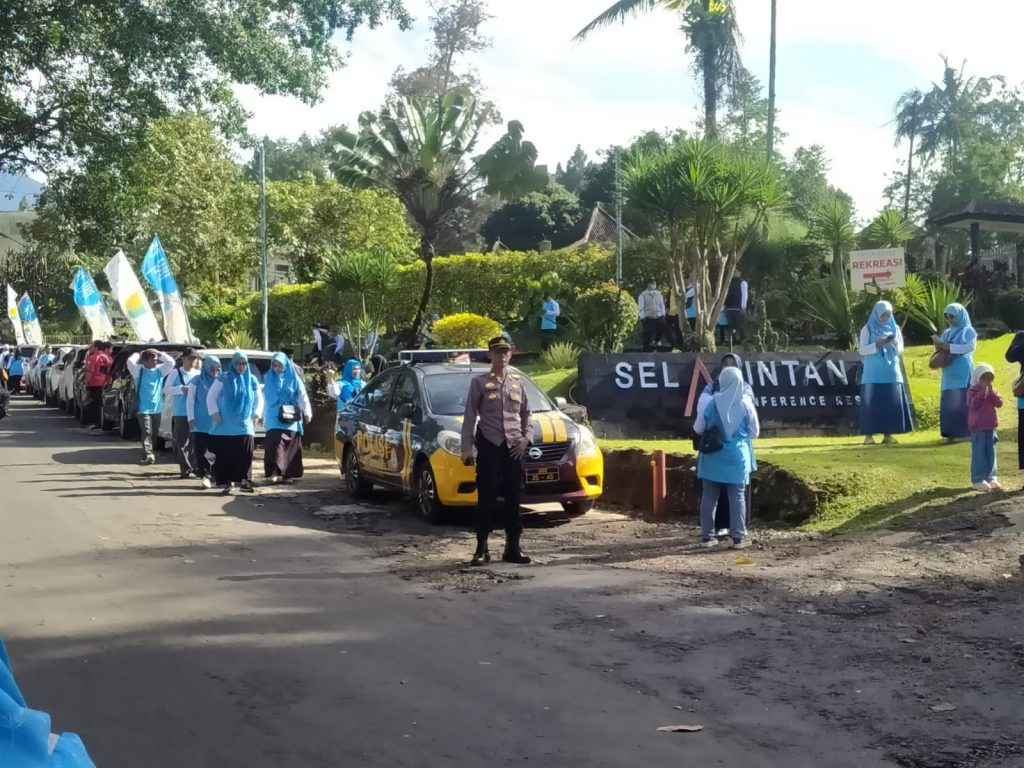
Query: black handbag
{"type": "Point", "coordinates": [710, 441]}
{"type": "Point", "coordinates": [287, 414]}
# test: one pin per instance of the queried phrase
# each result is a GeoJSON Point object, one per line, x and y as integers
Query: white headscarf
{"type": "Point", "coordinates": [729, 400]}
{"type": "Point", "coordinates": [980, 370]}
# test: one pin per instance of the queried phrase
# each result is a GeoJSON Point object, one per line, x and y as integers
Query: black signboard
{"type": "Point", "coordinates": [655, 395]}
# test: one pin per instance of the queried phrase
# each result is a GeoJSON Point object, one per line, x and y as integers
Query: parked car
{"type": "Point", "coordinates": [120, 404]}
{"type": "Point", "coordinates": [65, 390]}
{"type": "Point", "coordinates": [81, 388]}
{"type": "Point", "coordinates": [65, 356]}
{"type": "Point", "coordinates": [36, 381]}
{"type": "Point", "coordinates": [403, 432]}
{"type": "Point", "coordinates": [259, 362]}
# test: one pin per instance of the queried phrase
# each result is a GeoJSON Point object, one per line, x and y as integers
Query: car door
{"type": "Point", "coordinates": [403, 413]}
{"type": "Point", "coordinates": [371, 419]}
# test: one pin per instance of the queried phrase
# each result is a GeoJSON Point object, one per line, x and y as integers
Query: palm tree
{"type": "Point", "coordinates": [832, 225]}
{"type": "Point", "coordinates": [949, 110]}
{"type": "Point", "coordinates": [713, 39]}
{"type": "Point", "coordinates": [889, 229]}
{"type": "Point", "coordinates": [424, 156]}
{"type": "Point", "coordinates": [909, 118]}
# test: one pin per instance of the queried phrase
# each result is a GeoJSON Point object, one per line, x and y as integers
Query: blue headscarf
{"type": "Point", "coordinates": [239, 391]}
{"type": "Point", "coordinates": [350, 385]}
{"type": "Point", "coordinates": [283, 385]}
{"type": "Point", "coordinates": [957, 333]}
{"type": "Point", "coordinates": [879, 330]}
{"type": "Point", "coordinates": [206, 378]}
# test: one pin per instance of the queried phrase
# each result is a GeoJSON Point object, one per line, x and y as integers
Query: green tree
{"type": "Point", "coordinates": [908, 120]}
{"type": "Point", "coordinates": [574, 174]}
{"type": "Point", "coordinates": [713, 40]}
{"type": "Point", "coordinates": [807, 180]}
{"type": "Point", "coordinates": [950, 111]}
{"type": "Point", "coordinates": [308, 220]}
{"type": "Point", "coordinates": [551, 214]}
{"type": "Point", "coordinates": [288, 160]}
{"type": "Point", "coordinates": [68, 67]}
{"type": "Point", "coordinates": [712, 200]}
{"type": "Point", "coordinates": [832, 225]}
{"type": "Point", "coordinates": [889, 230]}
{"type": "Point", "coordinates": [423, 155]}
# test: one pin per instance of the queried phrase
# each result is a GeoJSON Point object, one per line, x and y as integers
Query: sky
{"type": "Point", "coordinates": [841, 67]}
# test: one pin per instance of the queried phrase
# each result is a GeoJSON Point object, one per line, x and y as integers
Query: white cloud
{"type": "Point", "coordinates": [626, 80]}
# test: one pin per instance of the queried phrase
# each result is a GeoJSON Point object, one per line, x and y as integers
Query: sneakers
{"type": "Point", "coordinates": [982, 486]}
{"type": "Point", "coordinates": [148, 461]}
{"type": "Point", "coordinates": [993, 483]}
{"type": "Point", "coordinates": [709, 544]}
{"type": "Point", "coordinates": [247, 487]}
{"type": "Point", "coordinates": [869, 440]}
{"type": "Point", "coordinates": [889, 440]}
{"type": "Point", "coordinates": [276, 480]}
{"type": "Point", "coordinates": [744, 544]}
{"type": "Point", "coordinates": [229, 489]}
{"type": "Point", "coordinates": [206, 483]}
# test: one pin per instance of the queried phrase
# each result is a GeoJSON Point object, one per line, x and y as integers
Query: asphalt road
{"type": "Point", "coordinates": [174, 628]}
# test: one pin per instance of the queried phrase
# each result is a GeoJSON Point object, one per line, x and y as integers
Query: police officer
{"type": "Point", "coordinates": [505, 430]}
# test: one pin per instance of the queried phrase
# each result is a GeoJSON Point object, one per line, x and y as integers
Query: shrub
{"type": "Point", "coordinates": [464, 330]}
{"type": "Point", "coordinates": [238, 340]}
{"type": "Point", "coordinates": [1010, 308]}
{"type": "Point", "coordinates": [604, 317]}
{"type": "Point", "coordinates": [561, 355]}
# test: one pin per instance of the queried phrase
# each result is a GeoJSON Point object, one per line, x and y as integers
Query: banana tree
{"type": "Point", "coordinates": [423, 154]}
{"type": "Point", "coordinates": [712, 202]}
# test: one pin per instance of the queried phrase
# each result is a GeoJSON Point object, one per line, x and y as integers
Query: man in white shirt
{"type": "Point", "coordinates": [736, 301]}
{"type": "Point", "coordinates": [652, 315]}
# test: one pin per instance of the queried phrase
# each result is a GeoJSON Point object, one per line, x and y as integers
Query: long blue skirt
{"type": "Point", "coordinates": [885, 410]}
{"type": "Point", "coordinates": [953, 413]}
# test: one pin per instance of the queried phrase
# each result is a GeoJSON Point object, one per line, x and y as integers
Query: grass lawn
{"type": "Point", "coordinates": [872, 486]}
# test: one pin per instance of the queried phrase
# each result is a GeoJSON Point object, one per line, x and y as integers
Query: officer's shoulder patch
{"type": "Point", "coordinates": [515, 375]}
{"type": "Point", "coordinates": [491, 385]}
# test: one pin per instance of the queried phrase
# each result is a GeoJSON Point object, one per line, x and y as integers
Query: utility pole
{"type": "Point", "coordinates": [263, 243]}
{"type": "Point", "coordinates": [618, 217]}
{"type": "Point", "coordinates": [771, 89]}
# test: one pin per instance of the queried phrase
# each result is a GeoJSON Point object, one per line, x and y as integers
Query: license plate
{"type": "Point", "coordinates": [542, 475]}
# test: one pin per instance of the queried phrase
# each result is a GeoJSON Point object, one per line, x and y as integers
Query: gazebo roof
{"type": "Point", "coordinates": [993, 215]}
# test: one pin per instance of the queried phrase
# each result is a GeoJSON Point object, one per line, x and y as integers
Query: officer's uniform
{"type": "Point", "coordinates": [497, 417]}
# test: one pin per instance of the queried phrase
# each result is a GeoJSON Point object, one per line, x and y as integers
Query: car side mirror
{"type": "Point", "coordinates": [561, 403]}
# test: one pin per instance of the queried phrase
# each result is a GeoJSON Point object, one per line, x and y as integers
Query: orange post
{"type": "Point", "coordinates": [658, 484]}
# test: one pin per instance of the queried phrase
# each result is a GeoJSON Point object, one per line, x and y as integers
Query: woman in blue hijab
{"type": "Point", "coordinates": [884, 405]}
{"type": "Point", "coordinates": [286, 409]}
{"type": "Point", "coordinates": [960, 340]}
{"type": "Point", "coordinates": [234, 401]}
{"type": "Point", "coordinates": [199, 421]}
{"type": "Point", "coordinates": [348, 385]}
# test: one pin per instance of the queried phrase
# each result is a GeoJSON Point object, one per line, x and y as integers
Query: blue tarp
{"type": "Point", "coordinates": [25, 733]}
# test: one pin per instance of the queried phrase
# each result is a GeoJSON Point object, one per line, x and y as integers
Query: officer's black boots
{"type": "Point", "coordinates": [512, 552]}
{"type": "Point", "coordinates": [482, 555]}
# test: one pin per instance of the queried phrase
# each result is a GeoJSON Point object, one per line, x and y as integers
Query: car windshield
{"type": "Point", "coordinates": [446, 393]}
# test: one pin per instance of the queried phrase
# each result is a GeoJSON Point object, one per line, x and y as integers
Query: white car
{"type": "Point", "coordinates": [53, 379]}
{"type": "Point", "coordinates": [37, 386]}
{"type": "Point", "coordinates": [259, 361]}
{"type": "Point", "coordinates": [66, 385]}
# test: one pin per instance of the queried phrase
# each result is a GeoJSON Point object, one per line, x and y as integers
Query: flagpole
{"type": "Point", "coordinates": [263, 242]}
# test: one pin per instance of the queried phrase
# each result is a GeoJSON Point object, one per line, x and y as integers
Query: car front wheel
{"type": "Point", "coordinates": [577, 508]}
{"type": "Point", "coordinates": [357, 486]}
{"type": "Point", "coordinates": [428, 503]}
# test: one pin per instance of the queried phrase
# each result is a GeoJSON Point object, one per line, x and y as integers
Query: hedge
{"type": "Point", "coordinates": [492, 285]}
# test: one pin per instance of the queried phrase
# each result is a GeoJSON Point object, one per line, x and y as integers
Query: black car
{"type": "Point", "coordinates": [120, 402]}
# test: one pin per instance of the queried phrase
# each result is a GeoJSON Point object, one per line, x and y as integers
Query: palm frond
{"type": "Point", "coordinates": [618, 13]}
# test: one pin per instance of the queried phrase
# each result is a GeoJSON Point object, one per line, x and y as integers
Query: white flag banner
{"type": "Point", "coordinates": [13, 316]}
{"type": "Point", "coordinates": [90, 304]}
{"type": "Point", "coordinates": [30, 321]}
{"type": "Point", "coordinates": [128, 291]}
{"type": "Point", "coordinates": [156, 270]}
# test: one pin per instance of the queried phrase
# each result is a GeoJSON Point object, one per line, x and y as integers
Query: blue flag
{"type": "Point", "coordinates": [90, 304]}
{"type": "Point", "coordinates": [30, 321]}
{"type": "Point", "coordinates": [156, 270]}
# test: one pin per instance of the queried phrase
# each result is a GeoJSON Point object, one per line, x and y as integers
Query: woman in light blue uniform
{"type": "Point", "coordinates": [735, 417]}
{"type": "Point", "coordinates": [234, 401]}
{"type": "Point", "coordinates": [286, 408]}
{"type": "Point", "coordinates": [960, 339]}
{"type": "Point", "coordinates": [884, 406]}
{"type": "Point", "coordinates": [348, 385]}
{"type": "Point", "coordinates": [199, 420]}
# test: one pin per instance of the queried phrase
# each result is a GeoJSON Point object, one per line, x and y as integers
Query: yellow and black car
{"type": "Point", "coordinates": [403, 432]}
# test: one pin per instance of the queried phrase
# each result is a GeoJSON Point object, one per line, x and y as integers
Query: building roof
{"type": "Point", "coordinates": [600, 229]}
{"type": "Point", "coordinates": [992, 215]}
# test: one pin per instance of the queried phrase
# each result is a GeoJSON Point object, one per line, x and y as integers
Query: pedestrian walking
{"type": "Point", "coordinates": [176, 387]}
{"type": "Point", "coordinates": [345, 387]}
{"type": "Point", "coordinates": [737, 299]}
{"type": "Point", "coordinates": [723, 511]}
{"type": "Point", "coordinates": [148, 368]}
{"type": "Point", "coordinates": [504, 432]}
{"type": "Point", "coordinates": [651, 305]}
{"type": "Point", "coordinates": [199, 421]}
{"type": "Point", "coordinates": [234, 402]}
{"type": "Point", "coordinates": [286, 410]}
{"type": "Point", "coordinates": [884, 405]}
{"type": "Point", "coordinates": [982, 420]}
{"type": "Point", "coordinates": [549, 314]}
{"type": "Point", "coordinates": [15, 371]}
{"type": "Point", "coordinates": [958, 342]}
{"type": "Point", "coordinates": [97, 375]}
{"type": "Point", "coordinates": [725, 458]}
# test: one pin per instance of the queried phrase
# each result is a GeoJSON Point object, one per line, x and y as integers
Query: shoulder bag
{"type": "Point", "coordinates": [287, 414]}
{"type": "Point", "coordinates": [940, 358]}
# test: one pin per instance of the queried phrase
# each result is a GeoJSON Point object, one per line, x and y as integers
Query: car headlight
{"type": "Point", "coordinates": [450, 442]}
{"type": "Point", "coordinates": [585, 442]}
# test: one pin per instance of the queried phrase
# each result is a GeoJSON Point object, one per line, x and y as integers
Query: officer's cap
{"type": "Point", "coordinates": [499, 342]}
